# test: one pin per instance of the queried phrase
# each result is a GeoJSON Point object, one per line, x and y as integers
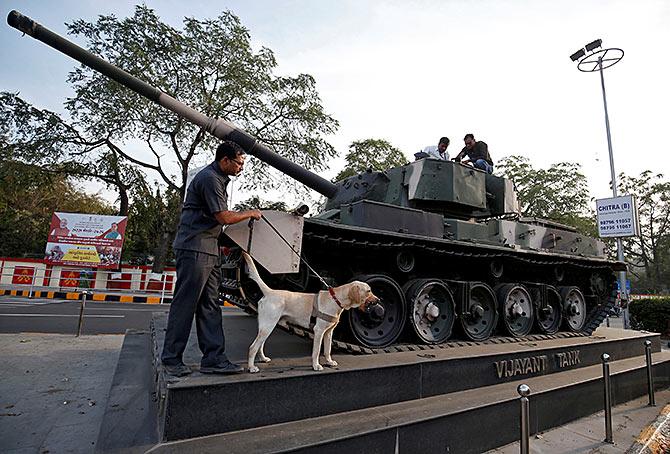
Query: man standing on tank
{"type": "Point", "coordinates": [477, 153]}
{"type": "Point", "coordinates": [197, 254]}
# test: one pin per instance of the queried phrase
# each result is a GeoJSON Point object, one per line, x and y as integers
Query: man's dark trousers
{"type": "Point", "coordinates": [196, 292]}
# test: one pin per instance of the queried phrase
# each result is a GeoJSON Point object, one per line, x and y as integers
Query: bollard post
{"type": "Point", "coordinates": [163, 279]}
{"type": "Point", "coordinates": [524, 442]}
{"type": "Point", "coordinates": [608, 398]}
{"type": "Point", "coordinates": [32, 283]}
{"type": "Point", "coordinates": [607, 319]}
{"type": "Point", "coordinates": [81, 313]}
{"type": "Point", "coordinates": [650, 378]}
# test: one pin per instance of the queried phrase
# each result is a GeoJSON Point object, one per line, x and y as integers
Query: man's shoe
{"type": "Point", "coordinates": [178, 370]}
{"type": "Point", "coordinates": [224, 367]}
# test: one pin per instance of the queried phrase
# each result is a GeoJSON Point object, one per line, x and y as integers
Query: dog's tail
{"type": "Point", "coordinates": [253, 274]}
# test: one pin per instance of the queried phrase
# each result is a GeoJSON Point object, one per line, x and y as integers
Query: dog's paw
{"type": "Point", "coordinates": [265, 359]}
{"type": "Point", "coordinates": [317, 367]}
{"type": "Point", "coordinates": [253, 369]}
{"type": "Point", "coordinates": [331, 363]}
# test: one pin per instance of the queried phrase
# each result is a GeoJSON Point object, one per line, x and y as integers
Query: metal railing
{"type": "Point", "coordinates": [85, 279]}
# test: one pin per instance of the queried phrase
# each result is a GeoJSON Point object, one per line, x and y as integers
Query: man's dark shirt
{"type": "Point", "coordinates": [198, 228]}
{"type": "Point", "coordinates": [479, 151]}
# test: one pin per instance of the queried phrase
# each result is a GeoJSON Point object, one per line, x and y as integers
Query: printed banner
{"type": "Point", "coordinates": [23, 275]}
{"type": "Point", "coordinates": [85, 240]}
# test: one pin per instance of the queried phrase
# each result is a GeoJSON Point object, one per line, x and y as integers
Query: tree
{"type": "Point", "coordinates": [559, 193]}
{"type": "Point", "coordinates": [42, 138]}
{"type": "Point", "coordinates": [255, 202]}
{"type": "Point", "coordinates": [210, 66]}
{"type": "Point", "coordinates": [649, 253]}
{"type": "Point", "coordinates": [28, 198]}
{"type": "Point", "coordinates": [375, 154]}
{"type": "Point", "coordinates": [152, 212]}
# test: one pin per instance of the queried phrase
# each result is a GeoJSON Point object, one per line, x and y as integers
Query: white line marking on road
{"type": "Point", "coordinates": [30, 302]}
{"type": "Point", "coordinates": [61, 315]}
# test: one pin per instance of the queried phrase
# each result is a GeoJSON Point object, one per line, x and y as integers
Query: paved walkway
{"type": "Point", "coordinates": [53, 391]}
{"type": "Point", "coordinates": [630, 423]}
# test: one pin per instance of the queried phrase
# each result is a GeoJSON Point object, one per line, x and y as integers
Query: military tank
{"type": "Point", "coordinates": [447, 251]}
{"type": "Point", "coordinates": [442, 244]}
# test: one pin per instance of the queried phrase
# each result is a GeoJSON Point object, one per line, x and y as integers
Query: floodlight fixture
{"type": "Point", "coordinates": [577, 55]}
{"type": "Point", "coordinates": [594, 45]}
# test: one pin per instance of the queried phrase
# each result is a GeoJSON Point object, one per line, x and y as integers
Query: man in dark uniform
{"type": "Point", "coordinates": [197, 252]}
{"type": "Point", "coordinates": [477, 153]}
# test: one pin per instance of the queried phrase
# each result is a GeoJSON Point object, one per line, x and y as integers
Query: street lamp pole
{"type": "Point", "coordinates": [619, 243]}
{"type": "Point", "coordinates": [598, 61]}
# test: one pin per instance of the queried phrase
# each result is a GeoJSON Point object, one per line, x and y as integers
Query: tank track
{"type": "Point", "coordinates": [595, 318]}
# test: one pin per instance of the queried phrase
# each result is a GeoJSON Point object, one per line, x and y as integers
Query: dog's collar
{"type": "Point", "coordinates": [332, 295]}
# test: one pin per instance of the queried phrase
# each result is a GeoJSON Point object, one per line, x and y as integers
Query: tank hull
{"type": "Point", "coordinates": [462, 277]}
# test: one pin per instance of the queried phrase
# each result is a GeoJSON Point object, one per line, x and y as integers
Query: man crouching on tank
{"type": "Point", "coordinates": [477, 153]}
{"type": "Point", "coordinates": [197, 254]}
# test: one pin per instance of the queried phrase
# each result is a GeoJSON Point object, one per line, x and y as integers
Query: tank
{"type": "Point", "coordinates": [442, 244]}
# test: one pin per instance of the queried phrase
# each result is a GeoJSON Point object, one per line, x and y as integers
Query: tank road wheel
{"type": "Point", "coordinates": [516, 309]}
{"type": "Point", "coordinates": [432, 310]}
{"type": "Point", "coordinates": [548, 317]}
{"type": "Point", "coordinates": [479, 316]}
{"type": "Point", "coordinates": [382, 324]}
{"type": "Point", "coordinates": [574, 308]}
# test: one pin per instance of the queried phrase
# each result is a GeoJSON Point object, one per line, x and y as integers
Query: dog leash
{"type": "Point", "coordinates": [325, 284]}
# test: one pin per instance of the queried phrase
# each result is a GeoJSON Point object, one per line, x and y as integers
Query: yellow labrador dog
{"type": "Point", "coordinates": [297, 308]}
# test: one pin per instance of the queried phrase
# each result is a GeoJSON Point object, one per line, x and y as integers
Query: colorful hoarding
{"type": "Point", "coordinates": [85, 240]}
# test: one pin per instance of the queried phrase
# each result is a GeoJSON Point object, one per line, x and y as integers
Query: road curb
{"type": "Point", "coordinates": [655, 437]}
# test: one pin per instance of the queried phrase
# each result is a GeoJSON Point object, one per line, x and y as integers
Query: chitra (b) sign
{"type": "Point", "coordinates": [617, 217]}
{"type": "Point", "coordinates": [86, 240]}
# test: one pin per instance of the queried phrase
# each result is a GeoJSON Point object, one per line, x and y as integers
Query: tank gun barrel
{"type": "Point", "coordinates": [219, 128]}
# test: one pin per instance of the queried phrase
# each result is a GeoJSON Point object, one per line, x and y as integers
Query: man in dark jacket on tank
{"type": "Point", "coordinates": [197, 253]}
{"type": "Point", "coordinates": [477, 153]}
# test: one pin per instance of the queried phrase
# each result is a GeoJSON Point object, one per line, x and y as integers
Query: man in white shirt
{"type": "Point", "coordinates": [437, 152]}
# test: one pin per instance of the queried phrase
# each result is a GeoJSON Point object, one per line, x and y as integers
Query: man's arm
{"type": "Point", "coordinates": [233, 217]}
{"type": "Point", "coordinates": [460, 155]}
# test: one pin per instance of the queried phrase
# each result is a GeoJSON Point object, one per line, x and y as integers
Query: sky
{"type": "Point", "coordinates": [413, 71]}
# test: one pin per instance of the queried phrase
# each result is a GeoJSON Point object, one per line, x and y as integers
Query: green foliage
{"type": "Point", "coordinates": [255, 202]}
{"type": "Point", "coordinates": [28, 198]}
{"type": "Point", "coordinates": [375, 154]}
{"type": "Point", "coordinates": [649, 254]}
{"type": "Point", "coordinates": [210, 66]}
{"type": "Point", "coordinates": [153, 212]}
{"type": "Point", "coordinates": [651, 315]}
{"type": "Point", "coordinates": [42, 138]}
{"type": "Point", "coordinates": [559, 193]}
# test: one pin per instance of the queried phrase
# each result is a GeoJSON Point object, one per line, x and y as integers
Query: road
{"type": "Point", "coordinates": [59, 316]}
{"type": "Point", "coordinates": [21, 315]}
